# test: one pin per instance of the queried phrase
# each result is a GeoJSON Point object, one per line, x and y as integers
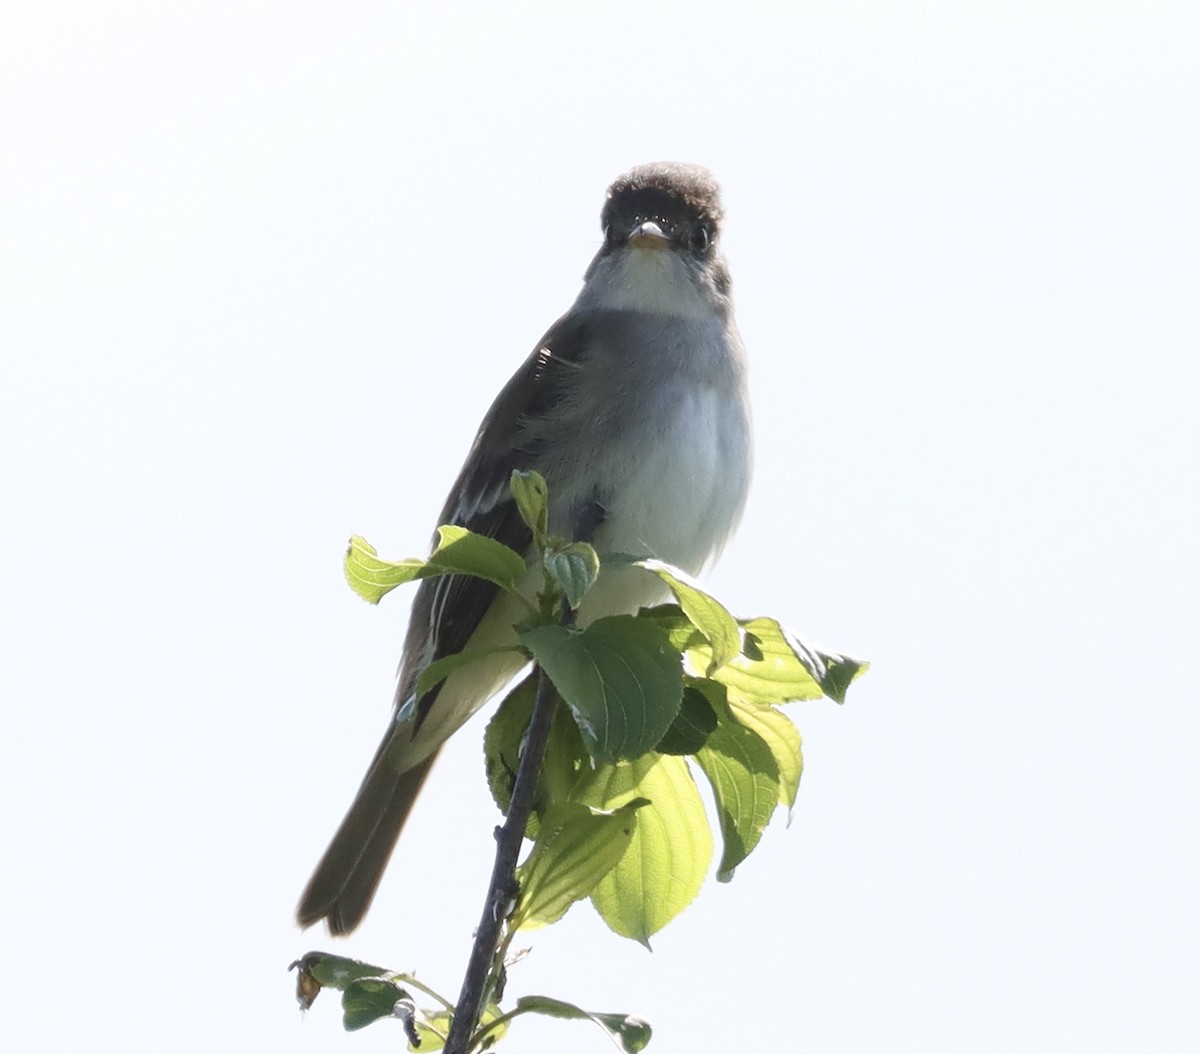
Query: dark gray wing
{"type": "Point", "coordinates": [447, 610]}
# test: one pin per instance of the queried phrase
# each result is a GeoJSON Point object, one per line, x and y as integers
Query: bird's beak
{"type": "Point", "coordinates": [648, 235]}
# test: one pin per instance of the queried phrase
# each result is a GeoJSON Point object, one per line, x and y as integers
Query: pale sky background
{"type": "Point", "coordinates": [262, 269]}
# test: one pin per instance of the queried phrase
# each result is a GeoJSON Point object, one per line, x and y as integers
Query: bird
{"type": "Point", "coordinates": [634, 409]}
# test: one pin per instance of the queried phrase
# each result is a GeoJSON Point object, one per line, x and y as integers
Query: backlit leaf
{"type": "Point", "coordinates": [745, 782]}
{"type": "Point", "coordinates": [668, 856]}
{"type": "Point", "coordinates": [576, 847]}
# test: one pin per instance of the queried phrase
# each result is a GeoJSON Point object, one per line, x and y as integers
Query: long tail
{"type": "Point", "coordinates": [344, 883]}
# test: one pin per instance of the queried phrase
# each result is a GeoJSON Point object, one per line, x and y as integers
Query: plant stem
{"type": "Point", "coordinates": [503, 888]}
{"type": "Point", "coordinates": [409, 980]}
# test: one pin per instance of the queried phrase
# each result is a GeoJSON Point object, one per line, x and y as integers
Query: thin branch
{"type": "Point", "coordinates": [502, 890]}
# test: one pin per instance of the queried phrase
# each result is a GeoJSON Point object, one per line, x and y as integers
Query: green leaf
{"type": "Point", "coordinates": [833, 673]}
{"type": "Point", "coordinates": [335, 971]}
{"type": "Point", "coordinates": [668, 856]}
{"type": "Point", "coordinates": [573, 568]}
{"type": "Point", "coordinates": [435, 1028]}
{"type": "Point", "coordinates": [503, 738]}
{"type": "Point", "coordinates": [532, 496]}
{"type": "Point", "coordinates": [705, 612]}
{"type": "Point", "coordinates": [317, 970]}
{"type": "Point", "coordinates": [432, 1030]}
{"type": "Point", "coordinates": [369, 999]}
{"type": "Point", "coordinates": [565, 757]}
{"type": "Point", "coordinates": [680, 630]}
{"type": "Point", "coordinates": [629, 1033]}
{"type": "Point", "coordinates": [372, 578]}
{"type": "Point", "coordinates": [620, 677]}
{"type": "Point", "coordinates": [464, 552]}
{"type": "Point", "coordinates": [438, 670]}
{"type": "Point", "coordinates": [458, 551]}
{"type": "Point", "coordinates": [840, 672]}
{"type": "Point", "coordinates": [745, 780]}
{"type": "Point", "coordinates": [769, 669]}
{"type": "Point", "coordinates": [576, 847]}
{"type": "Point", "coordinates": [782, 738]}
{"type": "Point", "coordinates": [774, 666]}
{"type": "Point", "coordinates": [689, 730]}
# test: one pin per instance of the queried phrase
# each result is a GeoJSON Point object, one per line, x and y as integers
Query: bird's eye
{"type": "Point", "coordinates": [699, 239]}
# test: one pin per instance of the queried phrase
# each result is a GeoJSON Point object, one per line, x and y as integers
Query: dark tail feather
{"type": "Point", "coordinates": [343, 886]}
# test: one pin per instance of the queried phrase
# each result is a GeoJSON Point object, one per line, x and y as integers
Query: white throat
{"type": "Point", "coordinates": [652, 281]}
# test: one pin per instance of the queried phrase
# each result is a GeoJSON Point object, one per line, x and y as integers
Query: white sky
{"type": "Point", "coordinates": [262, 268]}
